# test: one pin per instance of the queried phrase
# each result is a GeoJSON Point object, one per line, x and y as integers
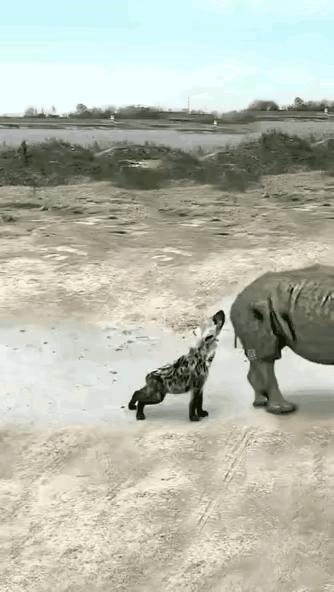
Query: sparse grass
{"type": "Point", "coordinates": [56, 162]}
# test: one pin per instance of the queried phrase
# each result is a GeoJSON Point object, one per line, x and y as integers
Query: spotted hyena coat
{"type": "Point", "coordinates": [187, 374]}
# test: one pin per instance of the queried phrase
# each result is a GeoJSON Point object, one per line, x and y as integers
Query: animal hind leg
{"type": "Point", "coordinates": [256, 379]}
{"type": "Point", "coordinates": [276, 402]}
{"type": "Point", "coordinates": [152, 394]}
{"type": "Point", "coordinates": [267, 392]}
{"type": "Point", "coordinates": [141, 404]}
{"type": "Point", "coordinates": [132, 405]}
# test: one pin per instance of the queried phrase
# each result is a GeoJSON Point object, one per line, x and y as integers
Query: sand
{"type": "Point", "coordinates": [98, 286]}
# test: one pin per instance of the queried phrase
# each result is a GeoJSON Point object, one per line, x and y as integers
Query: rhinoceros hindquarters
{"type": "Point", "coordinates": [253, 325]}
{"type": "Point", "coordinates": [262, 343]}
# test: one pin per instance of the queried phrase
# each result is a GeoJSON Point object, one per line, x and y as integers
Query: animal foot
{"type": "Point", "coordinates": [140, 416]}
{"type": "Point", "coordinates": [260, 401]}
{"type": "Point", "coordinates": [132, 406]}
{"type": "Point", "coordinates": [203, 413]}
{"type": "Point", "coordinates": [194, 418]}
{"type": "Point", "coordinates": [281, 408]}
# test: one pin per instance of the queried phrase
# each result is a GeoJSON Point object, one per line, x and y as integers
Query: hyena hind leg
{"type": "Point", "coordinates": [145, 395]}
{"type": "Point", "coordinates": [132, 405]}
{"type": "Point", "coordinates": [151, 394]}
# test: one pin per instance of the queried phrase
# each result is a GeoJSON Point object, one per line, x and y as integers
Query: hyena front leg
{"type": "Point", "coordinates": [200, 411]}
{"type": "Point", "coordinates": [195, 406]}
{"type": "Point", "coordinates": [199, 407]}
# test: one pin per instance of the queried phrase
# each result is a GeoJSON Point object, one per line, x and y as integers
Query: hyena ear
{"type": "Point", "coordinates": [219, 318]}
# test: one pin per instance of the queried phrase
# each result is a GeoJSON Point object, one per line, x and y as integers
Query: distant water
{"type": "Point", "coordinates": [168, 137]}
{"type": "Point", "coordinates": [105, 137]}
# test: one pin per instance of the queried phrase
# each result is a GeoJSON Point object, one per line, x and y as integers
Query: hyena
{"type": "Point", "coordinates": [187, 374]}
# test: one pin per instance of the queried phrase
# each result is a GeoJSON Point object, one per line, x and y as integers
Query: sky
{"type": "Point", "coordinates": [223, 54]}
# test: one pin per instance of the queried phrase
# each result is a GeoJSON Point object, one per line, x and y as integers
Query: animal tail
{"type": "Point", "coordinates": [235, 340]}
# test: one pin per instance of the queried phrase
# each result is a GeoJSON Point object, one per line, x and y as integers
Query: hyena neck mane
{"type": "Point", "coordinates": [206, 348]}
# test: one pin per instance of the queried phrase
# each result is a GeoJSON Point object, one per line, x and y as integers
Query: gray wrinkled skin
{"type": "Point", "coordinates": [293, 308]}
{"type": "Point", "coordinates": [187, 373]}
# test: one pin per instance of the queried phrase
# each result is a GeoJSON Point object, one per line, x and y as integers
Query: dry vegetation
{"type": "Point", "coordinates": [151, 166]}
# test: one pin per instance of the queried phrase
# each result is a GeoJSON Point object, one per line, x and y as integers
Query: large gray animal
{"type": "Point", "coordinates": [289, 308]}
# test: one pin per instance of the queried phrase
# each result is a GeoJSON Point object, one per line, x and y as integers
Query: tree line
{"type": "Point", "coordinates": [298, 105]}
{"type": "Point", "coordinates": [143, 112]}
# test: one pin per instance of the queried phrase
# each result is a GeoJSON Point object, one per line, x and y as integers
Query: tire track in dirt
{"type": "Point", "coordinates": [235, 449]}
{"type": "Point", "coordinates": [254, 510]}
{"type": "Point", "coordinates": [202, 544]}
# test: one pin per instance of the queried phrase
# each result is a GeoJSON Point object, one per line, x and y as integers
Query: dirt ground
{"type": "Point", "coordinates": [221, 505]}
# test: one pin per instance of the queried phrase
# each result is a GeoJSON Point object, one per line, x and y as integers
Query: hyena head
{"type": "Point", "coordinates": [210, 332]}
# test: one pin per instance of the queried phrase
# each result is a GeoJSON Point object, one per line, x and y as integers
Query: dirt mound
{"type": "Point", "coordinates": [272, 154]}
{"type": "Point", "coordinates": [58, 163]}
{"type": "Point", "coordinates": [233, 168]}
{"type": "Point", "coordinates": [135, 152]}
{"type": "Point", "coordinates": [149, 166]}
{"type": "Point", "coordinates": [279, 152]}
{"type": "Point", "coordinates": [53, 162]}
{"type": "Point", "coordinates": [324, 154]}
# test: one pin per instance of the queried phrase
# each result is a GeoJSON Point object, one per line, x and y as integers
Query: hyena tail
{"type": "Point", "coordinates": [133, 402]}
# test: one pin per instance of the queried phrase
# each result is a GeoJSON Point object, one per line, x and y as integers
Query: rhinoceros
{"type": "Point", "coordinates": [292, 308]}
